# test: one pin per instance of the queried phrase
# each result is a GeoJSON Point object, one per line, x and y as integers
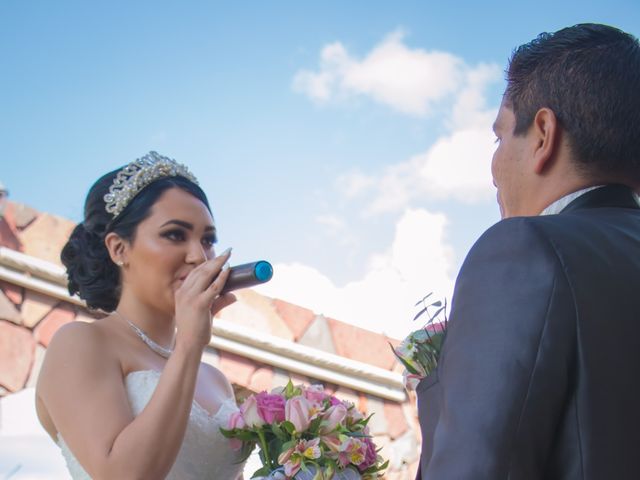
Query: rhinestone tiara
{"type": "Point", "coordinates": [137, 175]}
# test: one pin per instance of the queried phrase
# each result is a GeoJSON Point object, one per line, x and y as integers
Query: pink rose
{"type": "Point", "coordinates": [250, 413]}
{"type": "Point", "coordinates": [297, 411]}
{"type": "Point", "coordinates": [333, 417]}
{"type": "Point", "coordinates": [270, 407]}
{"type": "Point", "coordinates": [236, 421]}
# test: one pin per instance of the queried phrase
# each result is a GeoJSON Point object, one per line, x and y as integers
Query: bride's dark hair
{"type": "Point", "coordinates": [90, 271]}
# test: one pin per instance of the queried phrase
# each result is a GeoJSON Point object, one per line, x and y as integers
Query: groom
{"type": "Point", "coordinates": [539, 377]}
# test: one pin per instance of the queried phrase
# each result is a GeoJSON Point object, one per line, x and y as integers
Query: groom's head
{"type": "Point", "coordinates": [570, 117]}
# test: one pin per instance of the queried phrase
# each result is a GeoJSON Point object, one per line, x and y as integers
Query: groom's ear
{"type": "Point", "coordinates": [545, 137]}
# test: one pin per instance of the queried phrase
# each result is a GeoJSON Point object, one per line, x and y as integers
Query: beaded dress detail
{"type": "Point", "coordinates": [205, 452]}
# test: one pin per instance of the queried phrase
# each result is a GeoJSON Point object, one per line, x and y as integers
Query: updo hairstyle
{"type": "Point", "coordinates": [90, 271]}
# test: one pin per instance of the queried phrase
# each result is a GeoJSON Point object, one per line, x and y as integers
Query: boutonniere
{"type": "Point", "coordinates": [419, 351]}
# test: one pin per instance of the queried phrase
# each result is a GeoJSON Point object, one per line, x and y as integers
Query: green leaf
{"type": "Point", "coordinates": [288, 427]}
{"type": "Point", "coordinates": [406, 365]}
{"type": "Point", "coordinates": [279, 432]}
{"type": "Point", "coordinates": [261, 472]}
{"type": "Point", "coordinates": [315, 424]}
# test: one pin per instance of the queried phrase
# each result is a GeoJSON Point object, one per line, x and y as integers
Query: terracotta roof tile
{"type": "Point", "coordinates": [52, 322]}
{"type": "Point", "coordinates": [256, 311]}
{"type": "Point", "coordinates": [45, 237]}
{"type": "Point", "coordinates": [13, 292]}
{"type": "Point", "coordinates": [35, 306]}
{"type": "Point", "coordinates": [16, 355]}
{"type": "Point", "coordinates": [8, 310]}
{"type": "Point", "coordinates": [360, 344]}
{"type": "Point", "coordinates": [8, 236]}
{"type": "Point", "coordinates": [378, 422]}
{"type": "Point", "coordinates": [297, 318]}
{"type": "Point", "coordinates": [237, 369]}
{"type": "Point", "coordinates": [318, 335]}
{"type": "Point", "coordinates": [23, 215]}
{"type": "Point", "coordinates": [396, 421]}
{"type": "Point", "coordinates": [261, 379]}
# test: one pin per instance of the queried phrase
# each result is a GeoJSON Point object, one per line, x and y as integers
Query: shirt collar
{"type": "Point", "coordinates": [560, 204]}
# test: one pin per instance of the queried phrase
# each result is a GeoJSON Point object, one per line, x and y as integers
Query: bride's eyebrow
{"type": "Point", "coordinates": [187, 225]}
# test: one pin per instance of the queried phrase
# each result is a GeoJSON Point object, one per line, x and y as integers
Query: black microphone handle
{"type": "Point", "coordinates": [244, 276]}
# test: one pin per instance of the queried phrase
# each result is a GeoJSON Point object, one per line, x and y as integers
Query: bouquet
{"type": "Point", "coordinates": [305, 434]}
{"type": "Point", "coordinates": [420, 351]}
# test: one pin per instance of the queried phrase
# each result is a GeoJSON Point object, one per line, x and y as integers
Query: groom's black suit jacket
{"type": "Point", "coordinates": [539, 376]}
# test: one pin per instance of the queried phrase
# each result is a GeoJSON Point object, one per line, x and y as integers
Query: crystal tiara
{"type": "Point", "coordinates": [137, 175]}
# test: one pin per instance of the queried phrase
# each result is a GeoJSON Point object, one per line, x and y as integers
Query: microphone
{"type": "Point", "coordinates": [248, 275]}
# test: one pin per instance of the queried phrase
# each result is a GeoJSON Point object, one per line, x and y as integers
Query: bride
{"type": "Point", "coordinates": [128, 396]}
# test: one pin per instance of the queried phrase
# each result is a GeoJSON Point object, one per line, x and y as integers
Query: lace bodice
{"type": "Point", "coordinates": [205, 453]}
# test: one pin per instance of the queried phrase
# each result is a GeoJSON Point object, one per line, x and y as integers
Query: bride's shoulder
{"type": "Point", "coordinates": [76, 336]}
{"type": "Point", "coordinates": [217, 378]}
{"type": "Point", "coordinates": [79, 343]}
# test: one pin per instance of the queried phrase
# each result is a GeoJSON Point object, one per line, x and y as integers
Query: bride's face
{"type": "Point", "coordinates": [177, 236]}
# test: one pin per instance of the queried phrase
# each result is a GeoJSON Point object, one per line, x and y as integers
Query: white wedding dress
{"type": "Point", "coordinates": [205, 452]}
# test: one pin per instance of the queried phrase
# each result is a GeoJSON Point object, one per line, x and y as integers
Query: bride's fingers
{"type": "Point", "coordinates": [218, 284]}
{"type": "Point", "coordinates": [222, 301]}
{"type": "Point", "coordinates": [203, 275]}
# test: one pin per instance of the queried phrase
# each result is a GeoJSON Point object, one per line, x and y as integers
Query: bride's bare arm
{"type": "Point", "coordinates": [82, 387]}
{"type": "Point", "coordinates": [83, 390]}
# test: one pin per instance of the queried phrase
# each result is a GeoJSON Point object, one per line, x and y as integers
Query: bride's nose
{"type": "Point", "coordinates": [195, 253]}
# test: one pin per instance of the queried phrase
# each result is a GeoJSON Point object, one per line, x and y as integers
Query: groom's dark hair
{"type": "Point", "coordinates": [589, 75]}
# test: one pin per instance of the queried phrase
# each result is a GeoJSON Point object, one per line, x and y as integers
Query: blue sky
{"type": "Point", "coordinates": [347, 142]}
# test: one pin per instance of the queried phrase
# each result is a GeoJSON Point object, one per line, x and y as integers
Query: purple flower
{"type": "Point", "coordinates": [370, 455]}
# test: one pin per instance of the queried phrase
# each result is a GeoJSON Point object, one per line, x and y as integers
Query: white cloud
{"type": "Point", "coordinates": [456, 166]}
{"type": "Point", "coordinates": [419, 261]}
{"type": "Point", "coordinates": [408, 80]}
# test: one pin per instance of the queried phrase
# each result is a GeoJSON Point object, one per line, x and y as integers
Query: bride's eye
{"type": "Point", "coordinates": [174, 235]}
{"type": "Point", "coordinates": [209, 241]}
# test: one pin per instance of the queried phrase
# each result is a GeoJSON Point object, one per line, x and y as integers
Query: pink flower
{"type": "Point", "coordinates": [298, 411]}
{"type": "Point", "coordinates": [333, 417]}
{"type": "Point", "coordinates": [270, 407]}
{"type": "Point", "coordinates": [236, 421]}
{"type": "Point", "coordinates": [250, 413]}
{"type": "Point", "coordinates": [352, 451]}
{"type": "Point", "coordinates": [353, 414]}
{"type": "Point", "coordinates": [332, 442]}
{"type": "Point", "coordinates": [438, 327]}
{"type": "Point", "coordinates": [315, 394]}
{"type": "Point", "coordinates": [293, 457]}
{"type": "Point", "coordinates": [370, 455]}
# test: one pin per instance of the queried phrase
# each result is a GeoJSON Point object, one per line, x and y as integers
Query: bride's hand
{"type": "Point", "coordinates": [198, 299]}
